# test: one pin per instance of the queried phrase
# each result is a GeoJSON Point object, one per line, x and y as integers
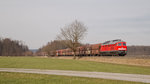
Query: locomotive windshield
{"type": "Point", "coordinates": [119, 44]}
{"type": "Point", "coordinates": [124, 44]}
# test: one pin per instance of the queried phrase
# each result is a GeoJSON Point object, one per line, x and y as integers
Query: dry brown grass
{"type": "Point", "coordinates": [116, 60]}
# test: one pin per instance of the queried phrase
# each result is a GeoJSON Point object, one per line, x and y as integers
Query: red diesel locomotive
{"type": "Point", "coordinates": [113, 47]}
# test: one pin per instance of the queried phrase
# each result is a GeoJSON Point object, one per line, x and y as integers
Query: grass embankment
{"type": "Point", "coordinates": [22, 78]}
{"type": "Point", "coordinates": [128, 60]}
{"type": "Point", "coordinates": [69, 64]}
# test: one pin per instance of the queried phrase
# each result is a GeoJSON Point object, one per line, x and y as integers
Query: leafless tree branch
{"type": "Point", "coordinates": [73, 34]}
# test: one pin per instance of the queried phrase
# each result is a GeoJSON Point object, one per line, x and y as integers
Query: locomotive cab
{"type": "Point", "coordinates": [121, 48]}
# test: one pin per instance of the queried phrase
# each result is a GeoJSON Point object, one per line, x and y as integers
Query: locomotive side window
{"type": "Point", "coordinates": [119, 44]}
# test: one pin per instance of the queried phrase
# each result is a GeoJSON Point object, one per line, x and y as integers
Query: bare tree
{"type": "Point", "coordinates": [73, 34]}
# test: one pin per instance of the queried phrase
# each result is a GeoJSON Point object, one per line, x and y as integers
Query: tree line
{"type": "Point", "coordinates": [138, 50]}
{"type": "Point", "coordinates": [10, 47]}
{"type": "Point", "coordinates": [50, 47]}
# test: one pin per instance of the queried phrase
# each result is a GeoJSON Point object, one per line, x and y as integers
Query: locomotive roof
{"type": "Point", "coordinates": [112, 42]}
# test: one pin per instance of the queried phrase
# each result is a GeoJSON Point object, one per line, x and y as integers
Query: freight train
{"type": "Point", "coordinates": [113, 47]}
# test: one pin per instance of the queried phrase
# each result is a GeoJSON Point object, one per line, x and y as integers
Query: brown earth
{"type": "Point", "coordinates": [115, 60]}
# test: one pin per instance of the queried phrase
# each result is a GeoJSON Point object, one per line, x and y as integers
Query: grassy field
{"type": "Point", "coordinates": [22, 78]}
{"type": "Point", "coordinates": [69, 64]}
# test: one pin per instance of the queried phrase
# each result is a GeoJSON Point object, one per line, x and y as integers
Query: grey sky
{"type": "Point", "coordinates": [37, 22]}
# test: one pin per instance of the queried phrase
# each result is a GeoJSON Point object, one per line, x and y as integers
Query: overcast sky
{"type": "Point", "coordinates": [37, 22]}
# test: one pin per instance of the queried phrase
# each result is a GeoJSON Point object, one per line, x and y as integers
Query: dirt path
{"type": "Point", "coordinates": [104, 75]}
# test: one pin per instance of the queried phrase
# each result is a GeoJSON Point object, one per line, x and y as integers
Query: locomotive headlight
{"type": "Point", "coordinates": [121, 48]}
